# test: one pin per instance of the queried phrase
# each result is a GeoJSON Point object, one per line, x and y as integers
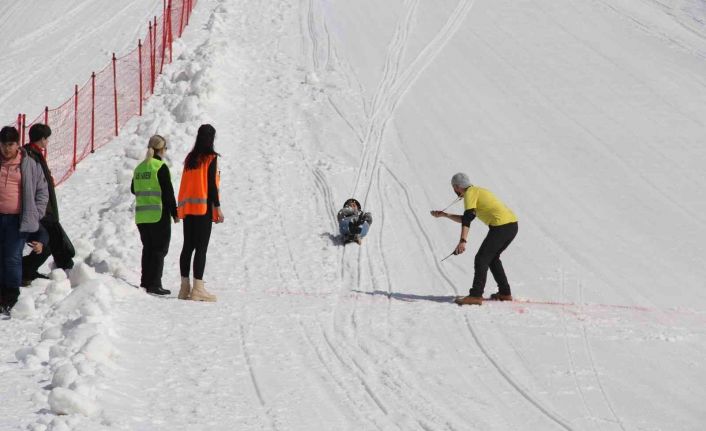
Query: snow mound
{"type": "Point", "coordinates": [76, 345]}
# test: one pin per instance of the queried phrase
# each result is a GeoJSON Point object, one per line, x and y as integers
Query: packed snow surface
{"type": "Point", "coordinates": [587, 118]}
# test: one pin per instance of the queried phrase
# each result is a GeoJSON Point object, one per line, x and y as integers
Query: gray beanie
{"type": "Point", "coordinates": [461, 180]}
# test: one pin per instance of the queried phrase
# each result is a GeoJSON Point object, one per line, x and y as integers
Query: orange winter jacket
{"type": "Point", "coordinates": [193, 190]}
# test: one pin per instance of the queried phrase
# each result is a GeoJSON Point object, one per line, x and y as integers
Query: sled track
{"type": "Point", "coordinates": [425, 235]}
{"type": "Point", "coordinates": [501, 370]}
{"type": "Point", "coordinates": [314, 37]}
{"type": "Point", "coordinates": [570, 353]}
{"type": "Point", "coordinates": [592, 361]}
{"type": "Point", "coordinates": [311, 20]}
{"type": "Point", "coordinates": [393, 89]}
{"type": "Point", "coordinates": [330, 372]}
{"type": "Point", "coordinates": [380, 247]}
{"type": "Point", "coordinates": [322, 185]}
{"type": "Point", "coordinates": [355, 373]}
{"type": "Point", "coordinates": [392, 63]}
{"type": "Point", "coordinates": [253, 379]}
{"type": "Point", "coordinates": [292, 262]}
{"type": "Point", "coordinates": [344, 118]}
{"type": "Point", "coordinates": [430, 51]}
{"type": "Point", "coordinates": [509, 379]}
{"type": "Point", "coordinates": [328, 45]}
{"type": "Point", "coordinates": [386, 98]}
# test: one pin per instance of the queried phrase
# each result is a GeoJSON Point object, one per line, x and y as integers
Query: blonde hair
{"type": "Point", "coordinates": [155, 143]}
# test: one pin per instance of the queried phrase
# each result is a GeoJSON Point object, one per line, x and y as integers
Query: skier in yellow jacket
{"type": "Point", "coordinates": [502, 223]}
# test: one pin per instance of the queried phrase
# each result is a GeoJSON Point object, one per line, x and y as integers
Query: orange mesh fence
{"type": "Point", "coordinates": [96, 111]}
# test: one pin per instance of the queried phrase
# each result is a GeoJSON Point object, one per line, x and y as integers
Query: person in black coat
{"type": "Point", "coordinates": [59, 246]}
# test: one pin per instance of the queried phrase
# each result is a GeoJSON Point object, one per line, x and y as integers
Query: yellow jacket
{"type": "Point", "coordinates": [488, 208]}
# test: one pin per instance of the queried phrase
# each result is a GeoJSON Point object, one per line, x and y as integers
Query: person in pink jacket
{"type": "Point", "coordinates": [23, 202]}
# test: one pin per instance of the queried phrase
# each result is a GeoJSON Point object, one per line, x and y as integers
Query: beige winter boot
{"type": "Point", "coordinates": [185, 290]}
{"type": "Point", "coordinates": [199, 293]}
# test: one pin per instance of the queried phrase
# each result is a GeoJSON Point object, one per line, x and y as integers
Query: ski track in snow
{"type": "Point", "coordinates": [381, 101]}
{"type": "Point", "coordinates": [496, 364]}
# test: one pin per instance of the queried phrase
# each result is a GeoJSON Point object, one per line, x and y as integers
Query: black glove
{"type": "Point", "coordinates": [354, 226]}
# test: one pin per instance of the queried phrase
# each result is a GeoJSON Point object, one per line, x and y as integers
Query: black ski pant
{"type": "Point", "coordinates": [155, 239]}
{"type": "Point", "coordinates": [488, 256]}
{"type": "Point", "coordinates": [197, 233]}
{"type": "Point", "coordinates": [62, 257]}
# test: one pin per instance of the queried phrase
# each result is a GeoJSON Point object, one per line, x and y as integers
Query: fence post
{"type": "Point", "coordinates": [93, 112]}
{"type": "Point", "coordinates": [151, 59]}
{"type": "Point", "coordinates": [75, 123]}
{"type": "Point", "coordinates": [24, 126]}
{"type": "Point", "coordinates": [164, 34]}
{"type": "Point", "coordinates": [46, 121]}
{"type": "Point", "coordinates": [181, 17]}
{"type": "Point", "coordinates": [139, 56]}
{"type": "Point", "coordinates": [164, 43]}
{"type": "Point", "coordinates": [169, 34]}
{"type": "Point", "coordinates": [154, 54]}
{"type": "Point", "coordinates": [115, 95]}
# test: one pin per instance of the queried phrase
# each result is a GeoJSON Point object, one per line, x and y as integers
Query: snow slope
{"type": "Point", "coordinates": [50, 46]}
{"type": "Point", "coordinates": [586, 118]}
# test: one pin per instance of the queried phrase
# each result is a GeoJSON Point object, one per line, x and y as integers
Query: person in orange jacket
{"type": "Point", "coordinates": [199, 206]}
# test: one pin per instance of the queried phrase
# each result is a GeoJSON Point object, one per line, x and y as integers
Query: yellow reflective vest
{"type": "Point", "coordinates": [148, 192]}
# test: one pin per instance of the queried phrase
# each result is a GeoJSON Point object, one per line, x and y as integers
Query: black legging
{"type": "Point", "coordinates": [488, 256]}
{"type": "Point", "coordinates": [197, 232]}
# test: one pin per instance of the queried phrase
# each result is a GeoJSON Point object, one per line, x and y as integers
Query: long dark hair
{"type": "Point", "coordinates": [203, 147]}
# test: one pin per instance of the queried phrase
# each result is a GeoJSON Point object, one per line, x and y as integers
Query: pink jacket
{"type": "Point", "coordinates": [34, 193]}
{"type": "Point", "coordinates": [11, 186]}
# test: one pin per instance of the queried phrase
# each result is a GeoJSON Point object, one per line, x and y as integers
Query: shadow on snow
{"type": "Point", "coordinates": [408, 297]}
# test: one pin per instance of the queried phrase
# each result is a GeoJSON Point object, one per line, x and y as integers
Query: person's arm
{"type": "Point", "coordinates": [466, 220]}
{"type": "Point", "coordinates": [454, 217]}
{"type": "Point", "coordinates": [132, 186]}
{"type": "Point", "coordinates": [213, 190]}
{"type": "Point", "coordinates": [345, 212]}
{"type": "Point", "coordinates": [212, 186]}
{"type": "Point", "coordinates": [42, 235]}
{"type": "Point", "coordinates": [41, 195]}
{"type": "Point", "coordinates": [165, 183]}
{"type": "Point", "coordinates": [38, 240]}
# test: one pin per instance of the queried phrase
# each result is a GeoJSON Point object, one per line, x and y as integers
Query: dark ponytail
{"type": "Point", "coordinates": [203, 147]}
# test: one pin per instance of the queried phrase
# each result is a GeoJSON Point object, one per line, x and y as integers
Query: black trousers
{"type": "Point", "coordinates": [488, 256]}
{"type": "Point", "coordinates": [155, 239]}
{"type": "Point", "coordinates": [55, 248]}
{"type": "Point", "coordinates": [197, 233]}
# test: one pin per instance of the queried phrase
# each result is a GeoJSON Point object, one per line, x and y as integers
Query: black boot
{"type": "Point", "coordinates": [3, 308]}
{"type": "Point", "coordinates": [158, 291]}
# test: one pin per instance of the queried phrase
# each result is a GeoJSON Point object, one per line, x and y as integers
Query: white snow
{"type": "Point", "coordinates": [588, 118]}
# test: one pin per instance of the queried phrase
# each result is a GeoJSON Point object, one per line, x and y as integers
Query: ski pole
{"type": "Point", "coordinates": [455, 200]}
{"type": "Point", "coordinates": [452, 253]}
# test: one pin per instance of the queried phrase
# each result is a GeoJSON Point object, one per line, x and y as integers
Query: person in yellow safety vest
{"type": "Point", "coordinates": [199, 206]}
{"type": "Point", "coordinates": [155, 208]}
{"type": "Point", "coordinates": [502, 223]}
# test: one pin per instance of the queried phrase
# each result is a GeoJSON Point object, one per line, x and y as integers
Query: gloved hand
{"type": "Point", "coordinates": [354, 226]}
{"type": "Point", "coordinates": [368, 217]}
